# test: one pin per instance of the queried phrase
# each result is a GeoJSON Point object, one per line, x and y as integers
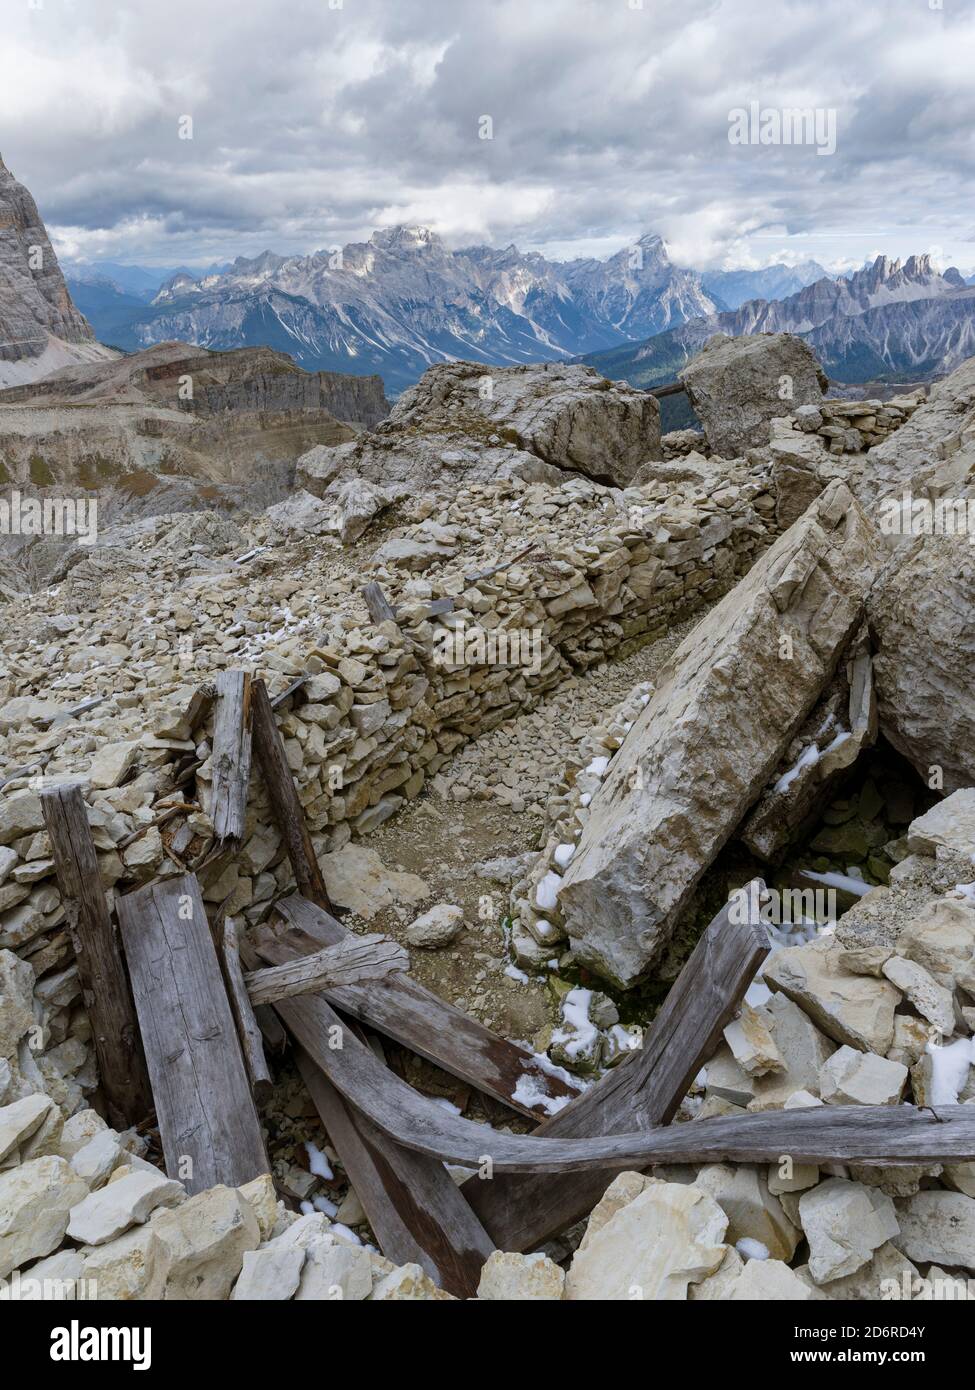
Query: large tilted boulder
{"type": "Point", "coordinates": [464, 421]}
{"type": "Point", "coordinates": [725, 709]}
{"type": "Point", "coordinates": [921, 622]}
{"type": "Point", "coordinates": [738, 385]}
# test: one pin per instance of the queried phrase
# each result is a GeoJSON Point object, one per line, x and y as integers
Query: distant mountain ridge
{"type": "Point", "coordinates": [402, 301]}
{"type": "Point", "coordinates": [889, 319]}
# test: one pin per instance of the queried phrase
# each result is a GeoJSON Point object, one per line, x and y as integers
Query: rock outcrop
{"type": "Point", "coordinates": [40, 328]}
{"type": "Point", "coordinates": [738, 385]}
{"type": "Point", "coordinates": [466, 422]}
{"type": "Point", "coordinates": [699, 754]}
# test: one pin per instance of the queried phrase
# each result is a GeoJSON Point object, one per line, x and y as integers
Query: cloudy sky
{"type": "Point", "coordinates": [315, 121]}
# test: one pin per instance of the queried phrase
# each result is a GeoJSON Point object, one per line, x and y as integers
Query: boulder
{"type": "Point", "coordinates": [408, 1284]}
{"type": "Point", "coordinates": [21, 1121]}
{"type": "Point", "coordinates": [207, 1238]}
{"type": "Point", "coordinates": [437, 927]}
{"type": "Point", "coordinates": [565, 414]}
{"type": "Point", "coordinates": [853, 1009]}
{"type": "Point", "coordinates": [803, 1049]}
{"type": "Point", "coordinates": [754, 1214]}
{"type": "Point", "coordinates": [938, 1227]}
{"type": "Point", "coordinates": [128, 1201]}
{"type": "Point", "coordinates": [932, 1001]}
{"type": "Point", "coordinates": [861, 1078]}
{"type": "Point", "coordinates": [738, 385]}
{"type": "Point", "coordinates": [950, 824]}
{"type": "Point", "coordinates": [844, 1223]}
{"type": "Point", "coordinates": [941, 938]}
{"type": "Point", "coordinates": [269, 1275]}
{"type": "Point", "coordinates": [36, 1199]}
{"type": "Point", "coordinates": [668, 1237]}
{"type": "Point", "coordinates": [333, 1269]}
{"type": "Point", "coordinates": [520, 1278]}
{"type": "Point", "coordinates": [133, 1267]}
{"type": "Point", "coordinates": [724, 710]}
{"type": "Point", "coordinates": [873, 1281]}
{"type": "Point", "coordinates": [16, 1001]}
{"type": "Point", "coordinates": [770, 1281]}
{"type": "Point", "coordinates": [920, 619]}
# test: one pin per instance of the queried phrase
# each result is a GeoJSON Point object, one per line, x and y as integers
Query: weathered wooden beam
{"type": "Point", "coordinates": [231, 758]}
{"type": "Point", "coordinates": [207, 1119]}
{"type": "Point", "coordinates": [644, 1090]}
{"type": "Point", "coordinates": [417, 1018]}
{"type": "Point", "coordinates": [272, 1029]}
{"type": "Point", "coordinates": [350, 962]}
{"type": "Point", "coordinates": [242, 1008]}
{"type": "Point", "coordinates": [829, 1134]}
{"type": "Point", "coordinates": [284, 798]}
{"type": "Point", "coordinates": [98, 952]}
{"type": "Point", "coordinates": [415, 1208]}
{"type": "Point", "coordinates": [288, 691]}
{"type": "Point", "coordinates": [673, 388]}
{"type": "Point", "coordinates": [200, 705]}
{"type": "Point", "coordinates": [379, 606]}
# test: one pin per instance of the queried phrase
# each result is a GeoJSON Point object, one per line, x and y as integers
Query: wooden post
{"type": "Point", "coordinates": [284, 799]}
{"type": "Point", "coordinates": [101, 967]}
{"type": "Point", "coordinates": [643, 1091]}
{"type": "Point", "coordinates": [231, 757]}
{"type": "Point", "coordinates": [248, 1030]}
{"type": "Point", "coordinates": [380, 608]}
{"type": "Point", "coordinates": [414, 1206]}
{"type": "Point", "coordinates": [207, 1120]}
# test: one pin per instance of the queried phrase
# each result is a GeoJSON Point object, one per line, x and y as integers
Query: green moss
{"type": "Point", "coordinates": [40, 472]}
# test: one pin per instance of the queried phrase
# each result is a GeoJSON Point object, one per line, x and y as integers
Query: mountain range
{"type": "Point", "coordinates": [891, 320]}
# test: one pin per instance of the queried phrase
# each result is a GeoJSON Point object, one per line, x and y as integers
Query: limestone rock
{"type": "Point", "coordinates": [750, 1038]}
{"type": "Point", "coordinates": [359, 880]}
{"type": "Point", "coordinates": [931, 1000]}
{"type": "Point", "coordinates": [853, 1009]}
{"type": "Point", "coordinates": [520, 1278]}
{"type": "Point", "coordinates": [851, 1077]}
{"type": "Point", "coordinates": [36, 1199]}
{"type": "Point", "coordinates": [20, 814]}
{"type": "Point", "coordinates": [844, 1223]}
{"type": "Point", "coordinates": [704, 756]}
{"type": "Point", "coordinates": [950, 825]}
{"type": "Point", "coordinates": [938, 1227]}
{"type": "Point", "coordinates": [738, 385]}
{"type": "Point", "coordinates": [652, 1248]}
{"type": "Point", "coordinates": [110, 764]}
{"type": "Point", "coordinates": [872, 1281]}
{"type": "Point", "coordinates": [770, 1281]}
{"type": "Point", "coordinates": [408, 1284]}
{"type": "Point", "coordinates": [741, 1191]}
{"type": "Point", "coordinates": [334, 1269]}
{"type": "Point", "coordinates": [437, 927]}
{"type": "Point", "coordinates": [269, 1275]}
{"type": "Point", "coordinates": [918, 615]}
{"type": "Point", "coordinates": [941, 938]}
{"type": "Point", "coordinates": [133, 1267]}
{"type": "Point", "coordinates": [18, 1122]}
{"type": "Point", "coordinates": [207, 1238]}
{"type": "Point", "coordinates": [16, 1001]}
{"type": "Point", "coordinates": [803, 1049]}
{"type": "Point", "coordinates": [718, 1286]}
{"type": "Point", "coordinates": [129, 1201]}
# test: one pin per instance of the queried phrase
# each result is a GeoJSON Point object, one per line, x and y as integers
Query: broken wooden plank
{"type": "Point", "coordinates": [417, 1018]}
{"type": "Point", "coordinates": [644, 1090]}
{"type": "Point", "coordinates": [827, 1134]}
{"type": "Point", "coordinates": [241, 1005]}
{"type": "Point", "coordinates": [231, 758]}
{"type": "Point", "coordinates": [207, 1119]}
{"type": "Point", "coordinates": [72, 713]}
{"type": "Point", "coordinates": [379, 606]}
{"type": "Point", "coordinates": [415, 1208]}
{"type": "Point", "coordinates": [672, 388]}
{"type": "Point", "coordinates": [98, 953]}
{"type": "Point", "coordinates": [350, 962]}
{"type": "Point", "coordinates": [200, 705]}
{"type": "Point", "coordinates": [284, 798]}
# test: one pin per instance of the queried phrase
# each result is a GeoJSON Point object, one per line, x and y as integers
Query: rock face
{"type": "Point", "coordinates": [34, 300]}
{"type": "Point", "coordinates": [465, 421]}
{"type": "Point", "coordinates": [738, 385]}
{"type": "Point", "coordinates": [698, 756]}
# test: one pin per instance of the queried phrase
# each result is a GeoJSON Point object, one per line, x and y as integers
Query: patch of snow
{"type": "Point", "coordinates": [530, 1092]}
{"type": "Point", "coordinates": [949, 1069]}
{"type": "Point", "coordinates": [547, 892]}
{"type": "Point", "coordinates": [318, 1163]}
{"type": "Point", "coordinates": [750, 1249]}
{"type": "Point", "coordinates": [562, 855]}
